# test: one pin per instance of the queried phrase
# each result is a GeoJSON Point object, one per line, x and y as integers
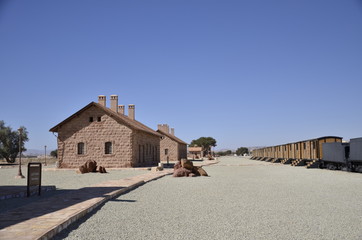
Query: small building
{"type": "Point", "coordinates": [171, 147]}
{"type": "Point", "coordinates": [196, 152]}
{"type": "Point", "coordinates": [107, 136]}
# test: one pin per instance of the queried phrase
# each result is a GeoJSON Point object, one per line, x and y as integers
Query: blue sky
{"type": "Point", "coordinates": [248, 73]}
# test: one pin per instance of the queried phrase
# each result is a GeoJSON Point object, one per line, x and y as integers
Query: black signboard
{"type": "Point", "coordinates": [34, 177]}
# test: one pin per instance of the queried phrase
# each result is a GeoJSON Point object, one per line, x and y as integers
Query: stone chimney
{"type": "Point", "coordinates": [121, 109]}
{"type": "Point", "coordinates": [102, 100]}
{"type": "Point", "coordinates": [131, 111]}
{"type": "Point", "coordinates": [163, 128]}
{"type": "Point", "coordinates": [114, 103]}
{"type": "Point", "coordinates": [173, 131]}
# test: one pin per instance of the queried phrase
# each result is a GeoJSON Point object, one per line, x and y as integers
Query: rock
{"type": "Point", "coordinates": [202, 172]}
{"type": "Point", "coordinates": [91, 166]}
{"type": "Point", "coordinates": [102, 169]}
{"type": "Point", "coordinates": [177, 165]}
{"type": "Point", "coordinates": [181, 172]}
{"type": "Point", "coordinates": [195, 170]}
{"type": "Point", "coordinates": [187, 164]}
{"type": "Point", "coordinates": [83, 169]}
{"type": "Point", "coordinates": [88, 166]}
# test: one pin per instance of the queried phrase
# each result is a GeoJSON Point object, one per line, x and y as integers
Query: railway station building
{"type": "Point", "coordinates": [106, 135]}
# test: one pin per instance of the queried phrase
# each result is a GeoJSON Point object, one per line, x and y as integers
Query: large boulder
{"type": "Point", "coordinates": [185, 168]}
{"type": "Point", "coordinates": [181, 172]}
{"type": "Point", "coordinates": [83, 169]}
{"type": "Point", "coordinates": [88, 166]}
{"type": "Point", "coordinates": [187, 164]}
{"type": "Point", "coordinates": [202, 172]}
{"type": "Point", "coordinates": [102, 169]}
{"type": "Point", "coordinates": [91, 165]}
{"type": "Point", "coordinates": [177, 165]}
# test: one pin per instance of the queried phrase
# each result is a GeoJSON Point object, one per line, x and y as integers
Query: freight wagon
{"type": "Point", "coordinates": [343, 156]}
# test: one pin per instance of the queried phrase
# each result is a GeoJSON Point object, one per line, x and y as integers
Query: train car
{"type": "Point", "coordinates": [302, 152]}
{"type": "Point", "coordinates": [355, 154]}
{"type": "Point", "coordinates": [334, 156]}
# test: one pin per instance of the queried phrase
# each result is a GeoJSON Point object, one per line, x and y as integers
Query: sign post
{"type": "Point", "coordinates": [34, 177]}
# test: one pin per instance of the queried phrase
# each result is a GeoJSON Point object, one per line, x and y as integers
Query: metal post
{"type": "Point", "coordinates": [45, 155]}
{"type": "Point", "coordinates": [20, 175]}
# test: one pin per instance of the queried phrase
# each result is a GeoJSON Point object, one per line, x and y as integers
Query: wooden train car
{"type": "Point", "coordinates": [307, 152]}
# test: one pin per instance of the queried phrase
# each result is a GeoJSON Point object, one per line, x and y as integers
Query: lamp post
{"type": "Point", "coordinates": [45, 155]}
{"type": "Point", "coordinates": [20, 175]}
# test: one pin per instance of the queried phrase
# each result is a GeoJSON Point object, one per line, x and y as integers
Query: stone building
{"type": "Point", "coordinates": [171, 147]}
{"type": "Point", "coordinates": [196, 152]}
{"type": "Point", "coordinates": [107, 136]}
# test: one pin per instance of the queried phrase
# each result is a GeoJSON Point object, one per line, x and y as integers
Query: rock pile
{"type": "Point", "coordinates": [185, 168]}
{"type": "Point", "coordinates": [91, 166]}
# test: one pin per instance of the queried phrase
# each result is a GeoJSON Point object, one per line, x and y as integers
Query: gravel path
{"type": "Point", "coordinates": [243, 199]}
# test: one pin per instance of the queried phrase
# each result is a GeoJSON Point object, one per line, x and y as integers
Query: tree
{"type": "Point", "coordinates": [9, 142]}
{"type": "Point", "coordinates": [225, 153]}
{"type": "Point", "coordinates": [205, 142]}
{"type": "Point", "coordinates": [54, 153]}
{"type": "Point", "coordinates": [242, 150]}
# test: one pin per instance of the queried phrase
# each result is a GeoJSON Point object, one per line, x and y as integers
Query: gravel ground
{"type": "Point", "coordinates": [64, 180]}
{"type": "Point", "coordinates": [243, 199]}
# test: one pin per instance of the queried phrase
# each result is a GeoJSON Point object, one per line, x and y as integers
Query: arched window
{"type": "Point", "coordinates": [108, 148]}
{"type": "Point", "coordinates": [80, 148]}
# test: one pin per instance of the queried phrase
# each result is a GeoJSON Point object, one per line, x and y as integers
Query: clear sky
{"type": "Point", "coordinates": [246, 72]}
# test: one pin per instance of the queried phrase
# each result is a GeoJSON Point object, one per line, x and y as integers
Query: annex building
{"type": "Point", "coordinates": [106, 135]}
{"type": "Point", "coordinates": [171, 147]}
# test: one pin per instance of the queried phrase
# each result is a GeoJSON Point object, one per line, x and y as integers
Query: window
{"type": "Point", "coordinates": [99, 119]}
{"type": "Point", "coordinates": [80, 148]}
{"type": "Point", "coordinates": [296, 146]}
{"type": "Point", "coordinates": [313, 145]}
{"type": "Point", "coordinates": [304, 146]}
{"type": "Point", "coordinates": [90, 119]}
{"type": "Point", "coordinates": [166, 151]}
{"type": "Point", "coordinates": [108, 148]}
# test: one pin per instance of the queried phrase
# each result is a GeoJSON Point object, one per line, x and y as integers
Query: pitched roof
{"type": "Point", "coordinates": [133, 124]}
{"type": "Point", "coordinates": [173, 137]}
{"type": "Point", "coordinates": [195, 149]}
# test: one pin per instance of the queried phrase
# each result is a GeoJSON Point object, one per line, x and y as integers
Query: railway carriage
{"type": "Point", "coordinates": [307, 152]}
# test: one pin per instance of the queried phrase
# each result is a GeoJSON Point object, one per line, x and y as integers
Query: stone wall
{"type": "Point", "coordinates": [94, 135]}
{"type": "Point", "coordinates": [176, 151]}
{"type": "Point", "coordinates": [146, 149]}
{"type": "Point", "coordinates": [182, 151]}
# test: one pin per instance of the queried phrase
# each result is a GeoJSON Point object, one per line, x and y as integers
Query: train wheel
{"type": "Point", "coordinates": [331, 166]}
{"type": "Point", "coordinates": [321, 164]}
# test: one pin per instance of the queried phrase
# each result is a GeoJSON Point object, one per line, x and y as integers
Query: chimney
{"type": "Point", "coordinates": [131, 111]}
{"type": "Point", "coordinates": [114, 103]}
{"type": "Point", "coordinates": [121, 109]}
{"type": "Point", "coordinates": [102, 100]}
{"type": "Point", "coordinates": [163, 128]}
{"type": "Point", "coordinates": [173, 131]}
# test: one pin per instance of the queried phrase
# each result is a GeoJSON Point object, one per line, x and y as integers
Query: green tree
{"type": "Point", "coordinates": [242, 150]}
{"type": "Point", "coordinates": [205, 142]}
{"type": "Point", "coordinates": [54, 153]}
{"type": "Point", "coordinates": [225, 153]}
{"type": "Point", "coordinates": [9, 142]}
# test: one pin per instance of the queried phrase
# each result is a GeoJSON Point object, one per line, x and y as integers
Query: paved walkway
{"type": "Point", "coordinates": [7, 192]}
{"type": "Point", "coordinates": [45, 218]}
